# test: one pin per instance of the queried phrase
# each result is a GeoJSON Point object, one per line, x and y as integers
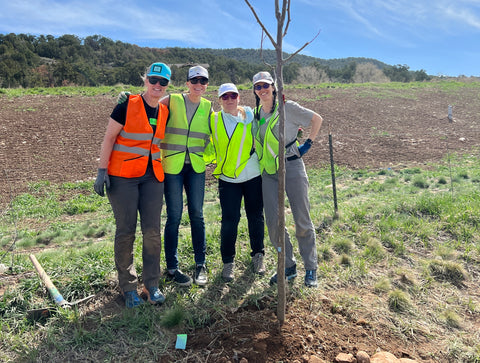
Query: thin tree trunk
{"type": "Point", "coordinates": [281, 14]}
{"type": "Point", "coordinates": [281, 284]}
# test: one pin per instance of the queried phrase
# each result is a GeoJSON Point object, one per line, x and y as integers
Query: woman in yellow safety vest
{"type": "Point", "coordinates": [238, 173]}
{"type": "Point", "coordinates": [186, 136]}
{"type": "Point", "coordinates": [296, 180]}
{"type": "Point", "coordinates": [131, 169]}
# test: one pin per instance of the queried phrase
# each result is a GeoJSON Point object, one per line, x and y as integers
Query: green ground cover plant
{"type": "Point", "coordinates": [377, 90]}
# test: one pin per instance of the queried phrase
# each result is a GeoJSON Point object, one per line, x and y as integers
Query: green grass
{"type": "Point", "coordinates": [375, 90]}
{"type": "Point", "coordinates": [402, 244]}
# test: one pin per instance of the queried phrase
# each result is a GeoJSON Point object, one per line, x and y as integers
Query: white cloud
{"type": "Point", "coordinates": [419, 18]}
{"type": "Point", "coordinates": [462, 16]}
{"type": "Point", "coordinates": [130, 20]}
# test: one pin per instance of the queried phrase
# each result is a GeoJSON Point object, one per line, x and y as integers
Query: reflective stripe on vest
{"type": "Point", "coordinates": [268, 150]}
{"type": "Point", "coordinates": [136, 142]}
{"type": "Point", "coordinates": [182, 137]}
{"type": "Point", "coordinates": [232, 153]}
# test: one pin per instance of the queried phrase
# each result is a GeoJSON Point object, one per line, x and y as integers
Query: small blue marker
{"type": "Point", "coordinates": [181, 341]}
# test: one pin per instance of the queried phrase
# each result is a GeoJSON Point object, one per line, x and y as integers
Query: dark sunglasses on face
{"type": "Point", "coordinates": [154, 80]}
{"type": "Point", "coordinates": [226, 96]}
{"type": "Point", "coordinates": [258, 87]}
{"type": "Point", "coordinates": [203, 81]}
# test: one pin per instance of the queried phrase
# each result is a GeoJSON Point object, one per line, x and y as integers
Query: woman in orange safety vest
{"type": "Point", "coordinates": [131, 169]}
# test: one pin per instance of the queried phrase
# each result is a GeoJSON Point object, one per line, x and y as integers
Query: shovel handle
{"type": "Point", "coordinates": [54, 293]}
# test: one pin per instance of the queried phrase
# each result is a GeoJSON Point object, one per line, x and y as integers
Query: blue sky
{"type": "Point", "coordinates": [440, 36]}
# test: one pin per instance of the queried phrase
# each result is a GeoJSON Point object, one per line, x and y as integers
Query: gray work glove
{"type": "Point", "coordinates": [101, 181]}
{"type": "Point", "coordinates": [122, 97]}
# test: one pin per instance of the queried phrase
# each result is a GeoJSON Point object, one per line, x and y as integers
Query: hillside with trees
{"type": "Point", "coordinates": [48, 61]}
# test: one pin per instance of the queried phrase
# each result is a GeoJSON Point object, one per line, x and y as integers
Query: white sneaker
{"type": "Point", "coordinates": [201, 277]}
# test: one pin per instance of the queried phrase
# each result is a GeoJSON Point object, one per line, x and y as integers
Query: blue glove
{"type": "Point", "coordinates": [122, 97]}
{"type": "Point", "coordinates": [302, 149]}
{"type": "Point", "coordinates": [101, 182]}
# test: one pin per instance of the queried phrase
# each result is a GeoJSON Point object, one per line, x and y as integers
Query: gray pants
{"type": "Point", "coordinates": [296, 187]}
{"type": "Point", "coordinates": [129, 196]}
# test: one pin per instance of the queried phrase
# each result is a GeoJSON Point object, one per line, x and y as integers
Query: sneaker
{"type": "Point", "coordinates": [180, 278]}
{"type": "Point", "coordinates": [132, 300]}
{"type": "Point", "coordinates": [227, 273]}
{"type": "Point", "coordinates": [153, 295]}
{"type": "Point", "coordinates": [311, 278]}
{"type": "Point", "coordinates": [258, 266]}
{"type": "Point", "coordinates": [290, 273]}
{"type": "Point", "coordinates": [201, 275]}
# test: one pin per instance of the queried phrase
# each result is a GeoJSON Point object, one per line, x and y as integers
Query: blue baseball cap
{"type": "Point", "coordinates": [159, 70]}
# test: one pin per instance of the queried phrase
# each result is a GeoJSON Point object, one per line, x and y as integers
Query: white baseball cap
{"type": "Point", "coordinates": [197, 71]}
{"type": "Point", "coordinates": [263, 77]}
{"type": "Point", "coordinates": [227, 87]}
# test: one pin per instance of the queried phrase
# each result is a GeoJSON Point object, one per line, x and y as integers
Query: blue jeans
{"type": "Point", "coordinates": [194, 184]}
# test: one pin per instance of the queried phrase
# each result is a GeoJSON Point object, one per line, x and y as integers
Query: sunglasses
{"type": "Point", "coordinates": [226, 96]}
{"type": "Point", "coordinates": [258, 87]}
{"type": "Point", "coordinates": [203, 81]}
{"type": "Point", "coordinates": [155, 80]}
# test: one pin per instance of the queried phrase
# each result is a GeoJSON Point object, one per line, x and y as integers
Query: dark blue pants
{"type": "Point", "coordinates": [194, 184]}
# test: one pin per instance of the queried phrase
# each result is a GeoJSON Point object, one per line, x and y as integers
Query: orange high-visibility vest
{"type": "Point", "coordinates": [136, 141]}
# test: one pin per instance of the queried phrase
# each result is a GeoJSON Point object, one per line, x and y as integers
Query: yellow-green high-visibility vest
{"type": "Point", "coordinates": [182, 137]}
{"type": "Point", "coordinates": [232, 153]}
{"type": "Point", "coordinates": [268, 150]}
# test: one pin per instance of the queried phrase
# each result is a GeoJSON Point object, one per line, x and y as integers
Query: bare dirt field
{"type": "Point", "coordinates": [57, 138]}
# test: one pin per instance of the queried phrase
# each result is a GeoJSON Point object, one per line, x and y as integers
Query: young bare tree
{"type": "Point", "coordinates": [368, 72]}
{"type": "Point", "coordinates": [311, 75]}
{"type": "Point", "coordinates": [282, 14]}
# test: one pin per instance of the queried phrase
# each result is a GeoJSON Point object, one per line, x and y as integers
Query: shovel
{"type": "Point", "coordinates": [54, 293]}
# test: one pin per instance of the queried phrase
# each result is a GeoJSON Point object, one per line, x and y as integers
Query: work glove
{"type": "Point", "coordinates": [302, 149]}
{"type": "Point", "coordinates": [122, 97]}
{"type": "Point", "coordinates": [101, 182]}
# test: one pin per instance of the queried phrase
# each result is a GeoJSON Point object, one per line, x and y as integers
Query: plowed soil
{"type": "Point", "coordinates": [57, 138]}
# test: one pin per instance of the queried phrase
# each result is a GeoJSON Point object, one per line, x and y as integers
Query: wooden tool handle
{"type": "Point", "coordinates": [54, 293]}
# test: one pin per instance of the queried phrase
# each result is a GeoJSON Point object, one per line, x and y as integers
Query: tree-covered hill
{"type": "Point", "coordinates": [48, 61]}
{"type": "Point", "coordinates": [254, 56]}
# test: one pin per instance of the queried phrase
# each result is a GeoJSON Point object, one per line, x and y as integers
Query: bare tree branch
{"type": "Point", "coordinates": [261, 24]}
{"type": "Point", "coordinates": [299, 50]}
{"type": "Point", "coordinates": [261, 52]}
{"type": "Point", "coordinates": [288, 19]}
